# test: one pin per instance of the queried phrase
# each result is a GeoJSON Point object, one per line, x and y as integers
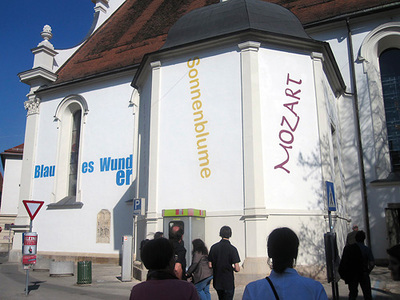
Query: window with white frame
{"type": "Point", "coordinates": [380, 55]}
{"type": "Point", "coordinates": [70, 116]}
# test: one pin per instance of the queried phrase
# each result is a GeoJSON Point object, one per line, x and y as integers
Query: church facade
{"type": "Point", "coordinates": [258, 115]}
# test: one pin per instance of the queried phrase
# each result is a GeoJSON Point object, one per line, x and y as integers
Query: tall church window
{"type": "Point", "coordinates": [389, 62]}
{"type": "Point", "coordinates": [74, 157]}
{"type": "Point", "coordinates": [70, 116]}
{"type": "Point", "coordinates": [379, 54]}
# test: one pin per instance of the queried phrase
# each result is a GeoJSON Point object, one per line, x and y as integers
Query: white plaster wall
{"type": "Point", "coordinates": [299, 186]}
{"type": "Point", "coordinates": [180, 182]}
{"type": "Point", "coordinates": [294, 200]}
{"type": "Point", "coordinates": [107, 133]}
{"type": "Point", "coordinates": [378, 197]}
{"type": "Point", "coordinates": [11, 181]}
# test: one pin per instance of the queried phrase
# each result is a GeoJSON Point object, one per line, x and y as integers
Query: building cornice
{"type": "Point", "coordinates": [38, 73]}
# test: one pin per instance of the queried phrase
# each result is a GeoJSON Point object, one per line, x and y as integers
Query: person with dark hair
{"type": "Point", "coordinates": [224, 259]}
{"type": "Point", "coordinates": [394, 262]}
{"type": "Point", "coordinates": [176, 238]}
{"type": "Point", "coordinates": [158, 257]}
{"type": "Point", "coordinates": [200, 270]}
{"type": "Point", "coordinates": [284, 282]}
{"type": "Point", "coordinates": [351, 237]}
{"type": "Point", "coordinates": [356, 265]}
{"type": "Point", "coordinates": [158, 235]}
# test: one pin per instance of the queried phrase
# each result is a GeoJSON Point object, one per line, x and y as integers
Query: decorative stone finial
{"type": "Point", "coordinates": [46, 33]}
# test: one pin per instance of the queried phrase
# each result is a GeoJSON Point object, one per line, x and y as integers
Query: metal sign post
{"type": "Point", "coordinates": [139, 207]}
{"type": "Point", "coordinates": [330, 247]}
{"type": "Point", "coordinates": [30, 239]}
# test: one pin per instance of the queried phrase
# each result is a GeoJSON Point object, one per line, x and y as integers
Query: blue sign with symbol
{"type": "Point", "coordinates": [137, 206]}
{"type": "Point", "coordinates": [330, 192]}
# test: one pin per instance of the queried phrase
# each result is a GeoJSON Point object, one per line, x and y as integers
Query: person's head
{"type": "Point", "coordinates": [283, 247]}
{"type": "Point", "coordinates": [158, 235]}
{"type": "Point", "coordinates": [355, 227]}
{"type": "Point", "coordinates": [158, 254]}
{"type": "Point", "coordinates": [225, 232]}
{"type": "Point", "coordinates": [360, 236]}
{"type": "Point", "coordinates": [199, 246]}
{"type": "Point", "coordinates": [394, 261]}
{"type": "Point", "coordinates": [176, 233]}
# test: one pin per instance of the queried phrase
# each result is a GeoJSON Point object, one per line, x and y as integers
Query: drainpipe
{"type": "Point", "coordinates": [360, 151]}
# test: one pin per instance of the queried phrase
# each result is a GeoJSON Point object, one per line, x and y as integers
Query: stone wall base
{"type": "Point", "coordinates": [44, 258]}
{"type": "Point", "coordinates": [139, 271]}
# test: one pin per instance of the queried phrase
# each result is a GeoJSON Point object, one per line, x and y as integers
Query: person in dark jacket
{"type": "Point", "coordinates": [394, 262]}
{"type": "Point", "coordinates": [356, 265]}
{"type": "Point", "coordinates": [176, 238]}
{"type": "Point", "coordinates": [161, 284]}
{"type": "Point", "coordinates": [224, 259]}
{"type": "Point", "coordinates": [200, 270]}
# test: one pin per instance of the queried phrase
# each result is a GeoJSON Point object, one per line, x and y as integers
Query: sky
{"type": "Point", "coordinates": [21, 23]}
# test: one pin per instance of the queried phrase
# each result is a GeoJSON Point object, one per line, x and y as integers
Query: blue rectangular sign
{"type": "Point", "coordinates": [330, 193]}
{"type": "Point", "coordinates": [137, 206]}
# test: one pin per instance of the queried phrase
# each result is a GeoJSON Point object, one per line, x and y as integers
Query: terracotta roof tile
{"type": "Point", "coordinates": [141, 26]}
{"type": "Point", "coordinates": [136, 28]}
{"type": "Point", "coordinates": [310, 11]}
{"type": "Point", "coordinates": [15, 150]}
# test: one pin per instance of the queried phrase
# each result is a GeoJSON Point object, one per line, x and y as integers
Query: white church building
{"type": "Point", "coordinates": [241, 112]}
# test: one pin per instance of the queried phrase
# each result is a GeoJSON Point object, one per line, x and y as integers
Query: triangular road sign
{"type": "Point", "coordinates": [32, 207]}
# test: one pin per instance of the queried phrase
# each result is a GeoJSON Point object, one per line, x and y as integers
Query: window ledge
{"type": "Point", "coordinates": [392, 180]}
{"type": "Point", "coordinates": [66, 203]}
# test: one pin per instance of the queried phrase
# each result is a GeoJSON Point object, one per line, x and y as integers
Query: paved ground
{"type": "Point", "coordinates": [106, 284]}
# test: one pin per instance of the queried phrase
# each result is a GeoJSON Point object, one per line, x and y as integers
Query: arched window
{"type": "Point", "coordinates": [70, 116]}
{"type": "Point", "coordinates": [389, 63]}
{"type": "Point", "coordinates": [379, 54]}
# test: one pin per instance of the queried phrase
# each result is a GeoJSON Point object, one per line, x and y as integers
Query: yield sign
{"type": "Point", "coordinates": [32, 207]}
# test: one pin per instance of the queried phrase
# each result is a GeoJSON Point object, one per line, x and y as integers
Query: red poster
{"type": "Point", "coordinates": [29, 259]}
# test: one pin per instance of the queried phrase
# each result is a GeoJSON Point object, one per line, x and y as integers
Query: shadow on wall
{"type": "Point", "coordinates": [311, 233]}
{"type": "Point", "coordinates": [312, 248]}
{"type": "Point", "coordinates": [123, 217]}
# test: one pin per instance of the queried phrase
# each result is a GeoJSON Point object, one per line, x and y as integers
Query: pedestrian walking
{"type": "Point", "coordinates": [224, 259]}
{"type": "Point", "coordinates": [161, 284]}
{"type": "Point", "coordinates": [356, 265]}
{"type": "Point", "coordinates": [176, 238]}
{"type": "Point", "coordinates": [199, 270]}
{"type": "Point", "coordinates": [351, 237]}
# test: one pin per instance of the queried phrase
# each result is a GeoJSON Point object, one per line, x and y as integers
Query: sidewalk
{"type": "Point", "coordinates": [383, 287]}
{"type": "Point", "coordinates": [106, 284]}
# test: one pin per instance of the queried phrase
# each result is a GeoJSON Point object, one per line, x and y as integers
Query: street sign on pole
{"type": "Point", "coordinates": [138, 206]}
{"type": "Point", "coordinates": [32, 207]}
{"type": "Point", "coordinates": [330, 192]}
